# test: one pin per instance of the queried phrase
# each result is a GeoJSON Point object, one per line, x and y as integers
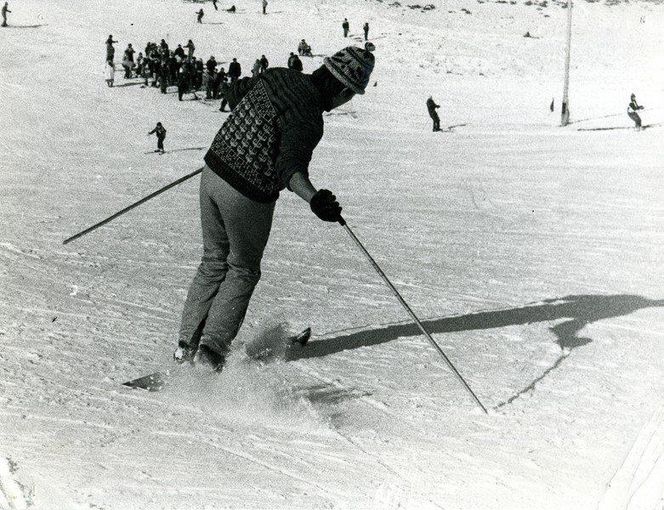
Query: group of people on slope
{"type": "Point", "coordinates": [345, 26]}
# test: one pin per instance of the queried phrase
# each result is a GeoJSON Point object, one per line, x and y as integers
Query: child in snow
{"type": "Point", "coordinates": [432, 106]}
{"type": "Point", "coordinates": [263, 147]}
{"type": "Point", "coordinates": [631, 112]}
{"type": "Point", "coordinates": [161, 134]}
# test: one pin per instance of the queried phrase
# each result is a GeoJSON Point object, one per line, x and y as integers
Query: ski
{"type": "Point", "coordinates": [157, 380]}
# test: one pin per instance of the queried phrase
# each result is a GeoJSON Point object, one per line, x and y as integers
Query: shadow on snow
{"type": "Point", "coordinates": [576, 311]}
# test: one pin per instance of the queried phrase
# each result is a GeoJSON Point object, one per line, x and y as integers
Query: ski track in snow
{"type": "Point", "coordinates": [532, 253]}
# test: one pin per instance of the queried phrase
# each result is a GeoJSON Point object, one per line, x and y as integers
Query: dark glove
{"type": "Point", "coordinates": [324, 205]}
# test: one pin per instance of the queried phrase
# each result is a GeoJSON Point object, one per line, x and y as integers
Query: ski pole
{"type": "Point", "coordinates": [411, 313]}
{"type": "Point", "coordinates": [130, 207]}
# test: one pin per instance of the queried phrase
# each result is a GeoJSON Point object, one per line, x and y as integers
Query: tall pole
{"type": "Point", "coordinates": [564, 114]}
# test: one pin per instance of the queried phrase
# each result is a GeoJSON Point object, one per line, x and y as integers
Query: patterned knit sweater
{"type": "Point", "coordinates": [275, 124]}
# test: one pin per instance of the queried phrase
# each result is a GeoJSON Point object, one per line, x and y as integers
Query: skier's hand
{"type": "Point", "coordinates": [324, 205]}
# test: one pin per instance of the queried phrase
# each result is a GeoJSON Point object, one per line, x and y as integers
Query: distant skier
{"type": "Point", "coordinates": [214, 3]}
{"type": "Point", "coordinates": [346, 26]}
{"type": "Point", "coordinates": [110, 73]}
{"type": "Point", "coordinates": [366, 31]}
{"type": "Point", "coordinates": [161, 134]}
{"type": "Point", "coordinates": [190, 50]}
{"type": "Point", "coordinates": [263, 147]}
{"type": "Point", "coordinates": [432, 106]}
{"type": "Point", "coordinates": [264, 6]}
{"type": "Point", "coordinates": [294, 62]}
{"type": "Point", "coordinates": [110, 50]}
{"type": "Point", "coordinates": [264, 63]}
{"type": "Point", "coordinates": [631, 111]}
{"type": "Point", "coordinates": [234, 70]}
{"type": "Point", "coordinates": [199, 16]}
{"type": "Point", "coordinates": [5, 10]}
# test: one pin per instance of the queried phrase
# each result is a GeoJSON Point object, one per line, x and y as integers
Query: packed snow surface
{"type": "Point", "coordinates": [534, 255]}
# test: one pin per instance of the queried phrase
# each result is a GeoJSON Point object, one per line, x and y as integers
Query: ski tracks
{"type": "Point", "coordinates": [639, 481]}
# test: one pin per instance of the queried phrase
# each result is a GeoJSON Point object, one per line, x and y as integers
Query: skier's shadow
{"type": "Point", "coordinates": [576, 311]}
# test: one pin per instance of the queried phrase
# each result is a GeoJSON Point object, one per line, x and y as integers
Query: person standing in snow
{"type": "Point", "coordinates": [214, 3]}
{"type": "Point", "coordinates": [110, 50]}
{"type": "Point", "coordinates": [264, 146]}
{"type": "Point", "coordinates": [432, 106]}
{"type": "Point", "coordinates": [5, 10]}
{"type": "Point", "coordinates": [632, 108]}
{"type": "Point", "coordinates": [256, 69]}
{"type": "Point", "coordinates": [294, 62]}
{"type": "Point", "coordinates": [161, 135]}
{"type": "Point", "coordinates": [199, 17]}
{"type": "Point", "coordinates": [264, 63]}
{"type": "Point", "coordinates": [234, 70]}
{"type": "Point", "coordinates": [264, 6]}
{"type": "Point", "coordinates": [366, 31]}
{"type": "Point", "coordinates": [346, 26]}
{"type": "Point", "coordinates": [190, 49]}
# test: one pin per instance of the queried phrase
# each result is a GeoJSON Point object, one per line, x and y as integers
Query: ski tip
{"type": "Point", "coordinates": [151, 382]}
{"type": "Point", "coordinates": [302, 338]}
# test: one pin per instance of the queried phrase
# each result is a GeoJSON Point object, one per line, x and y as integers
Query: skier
{"type": "Point", "coordinates": [264, 6]}
{"type": "Point", "coordinates": [234, 70]}
{"type": "Point", "coordinates": [190, 49]}
{"type": "Point", "coordinates": [223, 92]}
{"type": "Point", "coordinates": [432, 106]}
{"type": "Point", "coordinates": [346, 26]}
{"type": "Point", "coordinates": [5, 10]}
{"type": "Point", "coordinates": [263, 147]}
{"type": "Point", "coordinates": [366, 31]}
{"type": "Point", "coordinates": [631, 112]}
{"type": "Point", "coordinates": [256, 69]}
{"type": "Point", "coordinates": [110, 50]}
{"type": "Point", "coordinates": [110, 73]}
{"type": "Point", "coordinates": [161, 134]}
{"type": "Point", "coordinates": [214, 3]}
{"type": "Point", "coordinates": [294, 62]}
{"type": "Point", "coordinates": [200, 15]}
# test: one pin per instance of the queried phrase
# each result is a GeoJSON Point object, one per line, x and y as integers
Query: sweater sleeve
{"type": "Point", "coordinates": [299, 138]}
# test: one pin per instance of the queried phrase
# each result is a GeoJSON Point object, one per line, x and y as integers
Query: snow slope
{"type": "Point", "coordinates": [532, 253]}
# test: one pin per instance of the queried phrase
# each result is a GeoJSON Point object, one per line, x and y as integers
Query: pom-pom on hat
{"type": "Point", "coordinates": [352, 66]}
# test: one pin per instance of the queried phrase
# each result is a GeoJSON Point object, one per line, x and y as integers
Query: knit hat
{"type": "Point", "coordinates": [352, 66]}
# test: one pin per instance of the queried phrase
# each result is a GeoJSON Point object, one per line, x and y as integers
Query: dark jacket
{"type": "Point", "coordinates": [234, 69]}
{"type": "Point", "coordinates": [160, 131]}
{"type": "Point", "coordinates": [275, 124]}
{"type": "Point", "coordinates": [431, 106]}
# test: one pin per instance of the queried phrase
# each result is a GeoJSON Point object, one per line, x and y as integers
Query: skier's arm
{"type": "Point", "coordinates": [153, 131]}
{"type": "Point", "coordinates": [301, 185]}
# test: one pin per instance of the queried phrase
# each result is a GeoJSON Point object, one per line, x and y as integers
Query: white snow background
{"type": "Point", "coordinates": [532, 253]}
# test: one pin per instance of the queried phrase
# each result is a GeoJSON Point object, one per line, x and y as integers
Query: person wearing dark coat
{"type": "Point", "coordinates": [110, 50]}
{"type": "Point", "coordinates": [5, 10]}
{"type": "Point", "coordinates": [199, 16]}
{"type": "Point", "coordinates": [264, 147]}
{"type": "Point", "coordinates": [366, 31]}
{"type": "Point", "coordinates": [294, 62]}
{"type": "Point", "coordinates": [161, 135]}
{"type": "Point", "coordinates": [346, 26]}
{"type": "Point", "coordinates": [264, 63]}
{"type": "Point", "coordinates": [179, 52]}
{"type": "Point", "coordinates": [431, 107]}
{"type": "Point", "coordinates": [163, 45]}
{"type": "Point", "coordinates": [219, 78]}
{"type": "Point", "coordinates": [211, 64]}
{"type": "Point", "coordinates": [234, 70]}
{"type": "Point", "coordinates": [632, 108]}
{"type": "Point", "coordinates": [223, 92]}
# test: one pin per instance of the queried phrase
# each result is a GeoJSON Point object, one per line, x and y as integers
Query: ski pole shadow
{"type": "Point", "coordinates": [576, 312]}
